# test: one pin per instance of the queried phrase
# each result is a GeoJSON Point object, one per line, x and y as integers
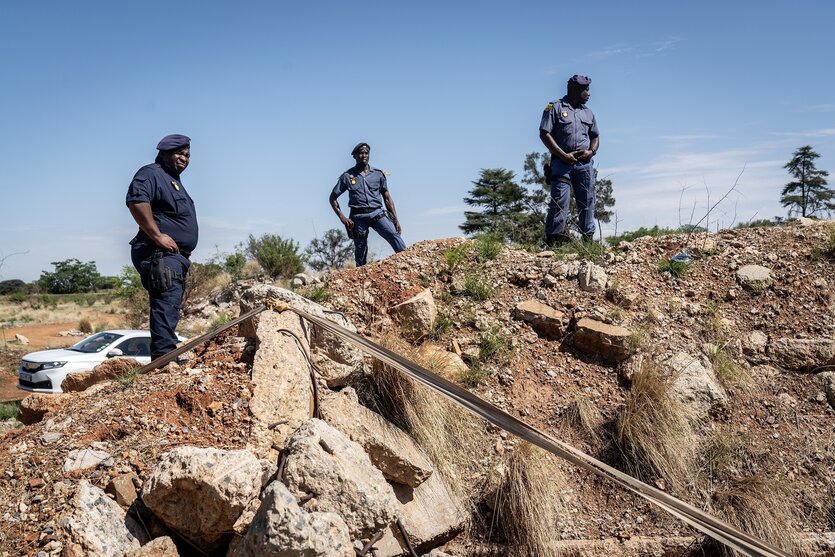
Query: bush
{"type": "Point", "coordinates": [675, 268]}
{"type": "Point", "coordinates": [234, 265]}
{"type": "Point", "coordinates": [9, 410]}
{"type": "Point", "coordinates": [201, 279]}
{"type": "Point", "coordinates": [85, 326]}
{"type": "Point", "coordinates": [13, 286]}
{"type": "Point", "coordinates": [331, 251]}
{"type": "Point", "coordinates": [454, 256]}
{"type": "Point", "coordinates": [278, 258]}
{"type": "Point", "coordinates": [487, 247]}
{"type": "Point", "coordinates": [18, 297]}
{"type": "Point", "coordinates": [221, 319]}
{"type": "Point", "coordinates": [493, 343]}
{"type": "Point", "coordinates": [316, 293]}
{"type": "Point", "coordinates": [134, 297]}
{"type": "Point", "coordinates": [477, 287]}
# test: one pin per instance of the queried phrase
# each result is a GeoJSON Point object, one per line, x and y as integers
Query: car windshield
{"type": "Point", "coordinates": [95, 343]}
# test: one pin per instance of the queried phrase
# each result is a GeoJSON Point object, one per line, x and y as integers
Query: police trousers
{"type": "Point", "coordinates": [383, 226]}
{"type": "Point", "coordinates": [578, 177]}
{"type": "Point", "coordinates": [165, 305]}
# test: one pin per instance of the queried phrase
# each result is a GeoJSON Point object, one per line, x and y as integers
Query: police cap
{"type": "Point", "coordinates": [173, 141]}
{"type": "Point", "coordinates": [359, 147]}
{"type": "Point", "coordinates": [580, 80]}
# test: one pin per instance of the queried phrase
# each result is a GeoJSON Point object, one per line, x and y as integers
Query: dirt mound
{"type": "Point", "coordinates": [768, 438]}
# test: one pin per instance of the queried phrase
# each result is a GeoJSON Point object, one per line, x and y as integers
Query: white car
{"type": "Point", "coordinates": [44, 371]}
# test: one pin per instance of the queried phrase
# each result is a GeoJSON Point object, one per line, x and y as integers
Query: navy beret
{"type": "Point", "coordinates": [173, 141]}
{"type": "Point", "coordinates": [580, 80]}
{"type": "Point", "coordinates": [360, 146]}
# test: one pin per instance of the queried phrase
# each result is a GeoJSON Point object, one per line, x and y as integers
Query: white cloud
{"type": "Point", "coordinates": [824, 132]}
{"type": "Point", "coordinates": [610, 51]}
{"type": "Point", "coordinates": [448, 210]}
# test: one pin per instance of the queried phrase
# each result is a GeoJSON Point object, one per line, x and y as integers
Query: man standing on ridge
{"type": "Point", "coordinates": [370, 203]}
{"type": "Point", "coordinates": [160, 251]}
{"type": "Point", "coordinates": [569, 130]}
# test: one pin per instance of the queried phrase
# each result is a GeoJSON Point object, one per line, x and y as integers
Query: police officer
{"type": "Point", "coordinates": [569, 130]}
{"type": "Point", "coordinates": [370, 203]}
{"type": "Point", "coordinates": [160, 251]}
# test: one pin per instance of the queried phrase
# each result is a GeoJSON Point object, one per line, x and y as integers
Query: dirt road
{"type": "Point", "coordinates": [41, 336]}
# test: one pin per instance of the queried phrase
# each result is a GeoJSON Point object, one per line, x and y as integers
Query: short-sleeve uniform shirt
{"type": "Point", "coordinates": [365, 193]}
{"type": "Point", "coordinates": [572, 128]}
{"type": "Point", "coordinates": [171, 205]}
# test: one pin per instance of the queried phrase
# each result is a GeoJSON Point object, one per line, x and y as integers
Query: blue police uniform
{"type": "Point", "coordinates": [365, 200]}
{"type": "Point", "coordinates": [572, 130]}
{"type": "Point", "coordinates": [174, 213]}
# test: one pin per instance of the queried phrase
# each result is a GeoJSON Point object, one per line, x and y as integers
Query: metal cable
{"type": "Point", "coordinates": [705, 523]}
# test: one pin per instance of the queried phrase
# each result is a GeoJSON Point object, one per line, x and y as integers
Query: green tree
{"type": "Point", "coordinates": [134, 296]}
{"type": "Point", "coordinates": [12, 286]}
{"type": "Point", "coordinates": [504, 211]}
{"type": "Point", "coordinates": [807, 194]}
{"type": "Point", "coordinates": [330, 251]}
{"type": "Point", "coordinates": [278, 258]}
{"type": "Point", "coordinates": [70, 276]}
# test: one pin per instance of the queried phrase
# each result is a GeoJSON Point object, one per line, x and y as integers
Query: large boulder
{"type": "Point", "coordinates": [545, 320]}
{"type": "Point", "coordinates": [282, 391]}
{"type": "Point", "coordinates": [201, 492]}
{"type": "Point", "coordinates": [336, 360]}
{"type": "Point", "coordinates": [802, 354]}
{"type": "Point", "coordinates": [416, 315]}
{"type": "Point", "coordinates": [324, 464]}
{"type": "Point", "coordinates": [283, 529]}
{"type": "Point", "coordinates": [99, 525]}
{"type": "Point", "coordinates": [432, 515]}
{"type": "Point", "coordinates": [694, 382]}
{"type": "Point", "coordinates": [604, 341]}
{"type": "Point", "coordinates": [391, 450]}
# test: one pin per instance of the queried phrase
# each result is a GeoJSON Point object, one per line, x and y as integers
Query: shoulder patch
{"type": "Point", "coordinates": [548, 107]}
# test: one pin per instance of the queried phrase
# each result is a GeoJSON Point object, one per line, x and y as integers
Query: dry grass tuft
{"type": "Point", "coordinates": [582, 414]}
{"type": "Point", "coordinates": [739, 491]}
{"type": "Point", "coordinates": [449, 435]}
{"type": "Point", "coordinates": [763, 507]}
{"type": "Point", "coordinates": [529, 502]}
{"type": "Point", "coordinates": [654, 431]}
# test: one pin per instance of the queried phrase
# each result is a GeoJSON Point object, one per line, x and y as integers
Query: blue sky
{"type": "Point", "coordinates": [274, 95]}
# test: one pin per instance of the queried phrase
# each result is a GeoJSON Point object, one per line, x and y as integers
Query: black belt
{"type": "Point", "coordinates": [185, 253]}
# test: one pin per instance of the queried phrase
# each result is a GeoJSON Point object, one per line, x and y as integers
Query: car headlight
{"type": "Point", "coordinates": [52, 365]}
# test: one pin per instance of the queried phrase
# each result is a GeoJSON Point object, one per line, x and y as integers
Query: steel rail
{"type": "Point", "coordinates": [702, 521]}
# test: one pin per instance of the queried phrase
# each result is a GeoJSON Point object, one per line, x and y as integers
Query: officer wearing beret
{"type": "Point", "coordinates": [160, 251]}
{"type": "Point", "coordinates": [569, 130]}
{"type": "Point", "coordinates": [370, 203]}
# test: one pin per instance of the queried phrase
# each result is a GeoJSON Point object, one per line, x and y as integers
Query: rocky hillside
{"type": "Point", "coordinates": [714, 380]}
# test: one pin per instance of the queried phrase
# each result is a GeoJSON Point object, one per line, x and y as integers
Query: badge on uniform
{"type": "Point", "coordinates": [353, 181]}
{"type": "Point", "coordinates": [565, 114]}
{"type": "Point", "coordinates": [176, 186]}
